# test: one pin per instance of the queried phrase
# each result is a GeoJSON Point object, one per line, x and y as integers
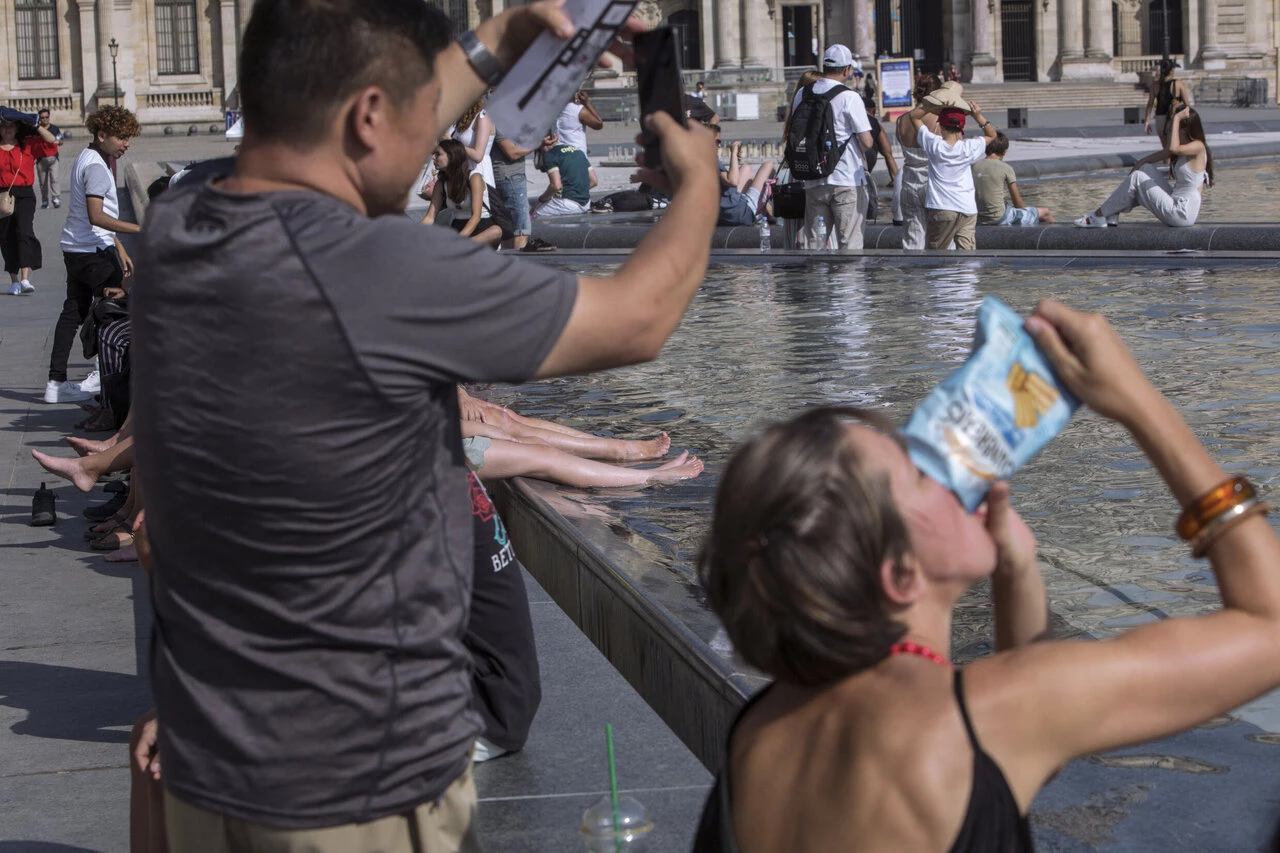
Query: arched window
{"type": "Point", "coordinates": [37, 48]}
{"type": "Point", "coordinates": [177, 41]}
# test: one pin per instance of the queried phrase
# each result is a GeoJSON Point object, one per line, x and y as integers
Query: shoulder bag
{"type": "Point", "coordinates": [7, 202]}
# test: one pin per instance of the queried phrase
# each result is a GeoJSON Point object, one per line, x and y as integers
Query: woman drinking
{"type": "Point", "coordinates": [835, 566]}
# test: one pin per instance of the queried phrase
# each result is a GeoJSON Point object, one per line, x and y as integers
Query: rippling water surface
{"type": "Point", "coordinates": [761, 343]}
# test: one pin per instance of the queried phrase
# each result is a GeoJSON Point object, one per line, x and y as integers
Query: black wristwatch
{"type": "Point", "coordinates": [482, 61]}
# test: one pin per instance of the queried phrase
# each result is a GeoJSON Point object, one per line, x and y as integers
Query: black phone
{"type": "Point", "coordinates": [660, 86]}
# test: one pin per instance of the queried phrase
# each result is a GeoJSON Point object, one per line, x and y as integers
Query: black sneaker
{"type": "Point", "coordinates": [102, 512]}
{"type": "Point", "coordinates": [43, 513]}
{"type": "Point", "coordinates": [537, 244]}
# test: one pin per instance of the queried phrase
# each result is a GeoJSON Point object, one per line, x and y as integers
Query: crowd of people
{"type": "Point", "coordinates": [948, 183]}
{"type": "Point", "coordinates": [945, 177]}
{"type": "Point", "coordinates": [340, 625]}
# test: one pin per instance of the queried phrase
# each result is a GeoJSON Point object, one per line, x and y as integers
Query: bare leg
{"type": "Point", "coordinates": [490, 236]}
{"type": "Point", "coordinates": [763, 174]}
{"type": "Point", "coordinates": [85, 446]}
{"type": "Point", "coordinates": [584, 445]}
{"type": "Point", "coordinates": [506, 459]}
{"type": "Point", "coordinates": [85, 471]}
{"type": "Point", "coordinates": [1046, 216]}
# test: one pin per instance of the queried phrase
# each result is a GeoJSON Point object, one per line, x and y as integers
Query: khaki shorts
{"type": "Point", "coordinates": [445, 826]}
{"type": "Point", "coordinates": [944, 226]}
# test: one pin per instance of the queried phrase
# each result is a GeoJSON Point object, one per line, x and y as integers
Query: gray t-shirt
{"type": "Point", "coordinates": [504, 166]}
{"type": "Point", "coordinates": [307, 499]}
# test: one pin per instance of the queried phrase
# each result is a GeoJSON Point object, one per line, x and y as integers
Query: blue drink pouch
{"type": "Point", "coordinates": [989, 418]}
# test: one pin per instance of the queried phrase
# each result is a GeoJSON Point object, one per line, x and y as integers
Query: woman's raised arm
{"type": "Point", "coordinates": [1058, 701]}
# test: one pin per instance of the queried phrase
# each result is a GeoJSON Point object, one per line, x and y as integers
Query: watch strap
{"type": "Point", "coordinates": [482, 61]}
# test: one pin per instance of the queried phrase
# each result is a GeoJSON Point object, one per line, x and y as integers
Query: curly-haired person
{"type": "Point", "coordinates": [94, 257]}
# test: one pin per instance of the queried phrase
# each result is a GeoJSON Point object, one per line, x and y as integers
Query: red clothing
{"type": "Point", "coordinates": [40, 149]}
{"type": "Point", "coordinates": [17, 160]}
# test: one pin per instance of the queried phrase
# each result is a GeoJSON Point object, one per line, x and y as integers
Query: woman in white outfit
{"type": "Point", "coordinates": [912, 182]}
{"type": "Point", "coordinates": [475, 131]}
{"type": "Point", "coordinates": [1176, 205]}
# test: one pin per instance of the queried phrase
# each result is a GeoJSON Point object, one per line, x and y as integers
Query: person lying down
{"type": "Point", "coordinates": [500, 444]}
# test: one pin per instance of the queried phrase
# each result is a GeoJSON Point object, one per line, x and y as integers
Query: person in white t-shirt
{"type": "Point", "coordinates": [840, 198]}
{"type": "Point", "coordinates": [93, 255]}
{"type": "Point", "coordinates": [952, 209]}
{"type": "Point", "coordinates": [572, 123]}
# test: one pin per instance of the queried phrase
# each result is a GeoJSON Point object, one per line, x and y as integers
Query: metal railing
{"type": "Point", "coordinates": [1231, 91]}
{"type": "Point", "coordinates": [1141, 65]}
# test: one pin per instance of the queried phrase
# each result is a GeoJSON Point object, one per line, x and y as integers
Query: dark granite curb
{"type": "Point", "coordinates": [603, 234]}
{"type": "Point", "coordinates": [631, 608]}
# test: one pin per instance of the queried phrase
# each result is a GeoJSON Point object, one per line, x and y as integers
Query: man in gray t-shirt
{"type": "Point", "coordinates": [296, 345]}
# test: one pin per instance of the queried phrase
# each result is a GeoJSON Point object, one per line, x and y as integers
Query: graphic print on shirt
{"type": "Point", "coordinates": [486, 516]}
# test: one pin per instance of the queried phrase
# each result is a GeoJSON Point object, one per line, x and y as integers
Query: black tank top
{"type": "Point", "coordinates": [992, 823]}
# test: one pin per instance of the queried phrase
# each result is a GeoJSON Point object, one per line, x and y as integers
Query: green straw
{"type": "Point", "coordinates": [613, 789]}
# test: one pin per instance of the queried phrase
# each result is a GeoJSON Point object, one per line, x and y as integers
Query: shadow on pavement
{"type": "Point", "coordinates": [68, 703]}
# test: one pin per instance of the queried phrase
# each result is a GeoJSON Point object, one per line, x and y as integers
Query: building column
{"type": "Point", "coordinates": [126, 29]}
{"type": "Point", "coordinates": [1212, 57]}
{"type": "Point", "coordinates": [1100, 35]}
{"type": "Point", "coordinates": [1256, 25]}
{"type": "Point", "coordinates": [757, 33]}
{"type": "Point", "coordinates": [864, 33]}
{"type": "Point", "coordinates": [88, 51]}
{"type": "Point", "coordinates": [728, 31]}
{"type": "Point", "coordinates": [230, 41]}
{"type": "Point", "coordinates": [982, 62]}
{"type": "Point", "coordinates": [1070, 31]}
{"type": "Point", "coordinates": [106, 32]}
{"type": "Point", "coordinates": [1073, 62]}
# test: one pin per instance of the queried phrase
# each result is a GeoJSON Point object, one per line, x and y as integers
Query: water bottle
{"type": "Point", "coordinates": [821, 228]}
{"type": "Point", "coordinates": [631, 834]}
{"type": "Point", "coordinates": [766, 236]}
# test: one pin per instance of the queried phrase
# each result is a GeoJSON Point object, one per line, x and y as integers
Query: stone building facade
{"type": "Point", "coordinates": [175, 60]}
{"type": "Point", "coordinates": [991, 41]}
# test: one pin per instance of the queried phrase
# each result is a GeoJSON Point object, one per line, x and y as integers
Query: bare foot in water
{"type": "Point", "coordinates": [85, 446]}
{"type": "Point", "coordinates": [683, 467]}
{"type": "Point", "coordinates": [67, 469]}
{"type": "Point", "coordinates": [653, 448]}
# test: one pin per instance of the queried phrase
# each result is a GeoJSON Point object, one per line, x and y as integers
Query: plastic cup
{"type": "Point", "coordinates": [632, 834]}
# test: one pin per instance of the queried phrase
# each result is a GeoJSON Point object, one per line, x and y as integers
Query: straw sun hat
{"type": "Point", "coordinates": [950, 95]}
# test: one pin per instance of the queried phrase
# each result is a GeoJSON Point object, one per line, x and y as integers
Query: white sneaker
{"type": "Point", "coordinates": [485, 751]}
{"type": "Point", "coordinates": [1091, 221]}
{"type": "Point", "coordinates": [92, 383]}
{"type": "Point", "coordinates": [15, 289]}
{"type": "Point", "coordinates": [27, 287]}
{"type": "Point", "coordinates": [63, 392]}
{"type": "Point", "coordinates": [1113, 220]}
{"type": "Point", "coordinates": [57, 202]}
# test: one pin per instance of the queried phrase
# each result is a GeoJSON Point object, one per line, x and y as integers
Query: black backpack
{"type": "Point", "coordinates": [812, 147]}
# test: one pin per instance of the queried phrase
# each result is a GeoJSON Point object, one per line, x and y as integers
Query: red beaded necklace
{"type": "Point", "coordinates": [919, 650]}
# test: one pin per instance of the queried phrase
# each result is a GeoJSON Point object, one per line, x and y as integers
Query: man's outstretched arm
{"type": "Point", "coordinates": [626, 319]}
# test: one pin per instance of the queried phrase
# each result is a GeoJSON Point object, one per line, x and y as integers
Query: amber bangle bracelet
{"type": "Point", "coordinates": [1212, 504]}
{"type": "Point", "coordinates": [1221, 525]}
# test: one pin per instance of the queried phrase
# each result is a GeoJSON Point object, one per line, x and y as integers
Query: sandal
{"type": "Point", "coordinates": [106, 528]}
{"type": "Point", "coordinates": [112, 542]}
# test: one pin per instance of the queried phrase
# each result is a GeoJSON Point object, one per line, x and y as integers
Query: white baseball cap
{"type": "Point", "coordinates": [837, 56]}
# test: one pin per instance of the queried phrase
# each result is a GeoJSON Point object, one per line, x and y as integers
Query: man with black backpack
{"type": "Point", "coordinates": [829, 133]}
